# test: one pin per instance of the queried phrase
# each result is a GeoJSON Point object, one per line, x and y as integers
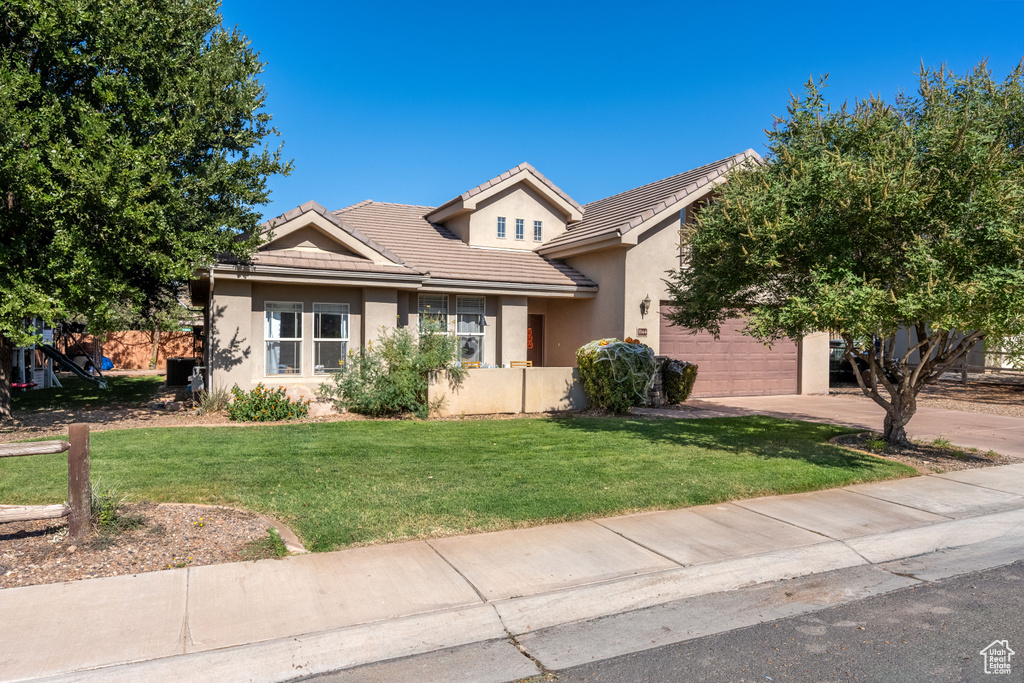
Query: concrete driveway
{"type": "Point", "coordinates": [999, 433]}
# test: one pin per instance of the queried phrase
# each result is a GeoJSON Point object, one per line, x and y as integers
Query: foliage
{"type": "Point", "coordinates": [370, 481]}
{"type": "Point", "coordinates": [264, 405]}
{"type": "Point", "coordinates": [870, 221]}
{"type": "Point", "coordinates": [213, 400]}
{"type": "Point", "coordinates": [107, 515]}
{"type": "Point", "coordinates": [616, 374]}
{"type": "Point", "coordinates": [391, 375]}
{"type": "Point", "coordinates": [264, 548]}
{"type": "Point", "coordinates": [677, 378]}
{"type": "Point", "coordinates": [132, 152]}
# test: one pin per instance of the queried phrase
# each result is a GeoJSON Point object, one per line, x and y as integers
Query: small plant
{"type": "Point", "coordinates": [616, 374]}
{"type": "Point", "coordinates": [992, 455]}
{"type": "Point", "coordinates": [391, 376]}
{"type": "Point", "coordinates": [269, 546]}
{"type": "Point", "coordinates": [874, 443]}
{"type": "Point", "coordinates": [677, 378]}
{"type": "Point", "coordinates": [213, 401]}
{"type": "Point", "coordinates": [264, 405]}
{"type": "Point", "coordinates": [942, 443]}
{"type": "Point", "coordinates": [105, 507]}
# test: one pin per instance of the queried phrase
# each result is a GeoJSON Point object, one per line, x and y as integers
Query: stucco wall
{"type": "Point", "coordinates": [231, 334]}
{"type": "Point", "coordinates": [519, 201]}
{"type": "Point", "coordinates": [647, 265]}
{"type": "Point", "coordinates": [488, 391]}
{"type": "Point", "coordinates": [814, 364]}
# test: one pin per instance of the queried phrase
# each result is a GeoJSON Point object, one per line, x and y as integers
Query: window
{"type": "Point", "coordinates": [330, 337]}
{"type": "Point", "coordinates": [538, 231]}
{"type": "Point", "coordinates": [283, 338]}
{"type": "Point", "coordinates": [501, 227]}
{"type": "Point", "coordinates": [520, 228]}
{"type": "Point", "coordinates": [470, 328]}
{"type": "Point", "coordinates": [434, 307]}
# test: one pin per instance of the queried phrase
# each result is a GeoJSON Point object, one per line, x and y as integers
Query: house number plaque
{"type": "Point", "coordinates": [641, 331]}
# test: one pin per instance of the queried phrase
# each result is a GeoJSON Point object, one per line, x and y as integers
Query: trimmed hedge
{"type": "Point", "coordinates": [677, 380]}
{"type": "Point", "coordinates": [616, 374]}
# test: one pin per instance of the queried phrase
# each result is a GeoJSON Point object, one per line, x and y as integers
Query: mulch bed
{"type": "Point", "coordinates": [924, 457]}
{"type": "Point", "coordinates": [166, 536]}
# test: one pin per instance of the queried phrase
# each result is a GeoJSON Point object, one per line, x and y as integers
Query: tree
{"type": "Point", "coordinates": [131, 154]}
{"type": "Point", "coordinates": [871, 221]}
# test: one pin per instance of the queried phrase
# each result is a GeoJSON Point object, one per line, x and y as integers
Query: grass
{"type": "Point", "coordinates": [348, 483]}
{"type": "Point", "coordinates": [78, 393]}
{"type": "Point", "coordinates": [269, 546]}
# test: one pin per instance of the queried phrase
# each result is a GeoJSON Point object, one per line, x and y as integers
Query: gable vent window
{"type": "Point", "coordinates": [434, 307]}
{"type": "Point", "coordinates": [520, 229]}
{"type": "Point", "coordinates": [283, 337]}
{"type": "Point", "coordinates": [330, 337]}
{"type": "Point", "coordinates": [538, 231]}
{"type": "Point", "coordinates": [501, 227]}
{"type": "Point", "coordinates": [470, 328]}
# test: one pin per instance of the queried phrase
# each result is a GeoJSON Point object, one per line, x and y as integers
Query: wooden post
{"type": "Point", "coordinates": [79, 491]}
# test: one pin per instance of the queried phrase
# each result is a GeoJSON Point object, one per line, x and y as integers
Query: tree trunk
{"type": "Point", "coordinates": [901, 408]}
{"type": "Point", "coordinates": [6, 377]}
{"type": "Point", "coordinates": [154, 360]}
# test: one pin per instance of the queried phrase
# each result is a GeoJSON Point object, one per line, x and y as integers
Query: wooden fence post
{"type": "Point", "coordinates": [79, 491]}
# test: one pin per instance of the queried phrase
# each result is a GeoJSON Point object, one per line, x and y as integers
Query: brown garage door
{"type": "Point", "coordinates": [734, 365]}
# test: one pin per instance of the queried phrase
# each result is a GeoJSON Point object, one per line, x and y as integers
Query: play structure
{"type": "Point", "coordinates": [34, 366]}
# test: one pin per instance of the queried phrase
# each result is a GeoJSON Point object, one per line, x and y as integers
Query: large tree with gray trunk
{"type": "Point", "coordinates": [870, 221]}
{"type": "Point", "coordinates": [131, 153]}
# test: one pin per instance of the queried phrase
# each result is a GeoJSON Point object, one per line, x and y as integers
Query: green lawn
{"type": "Point", "coordinates": [78, 393]}
{"type": "Point", "coordinates": [356, 482]}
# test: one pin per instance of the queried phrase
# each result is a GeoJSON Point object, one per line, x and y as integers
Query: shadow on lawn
{"type": "Point", "coordinates": [757, 435]}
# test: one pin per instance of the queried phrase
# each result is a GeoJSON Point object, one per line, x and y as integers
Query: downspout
{"type": "Point", "coordinates": [208, 342]}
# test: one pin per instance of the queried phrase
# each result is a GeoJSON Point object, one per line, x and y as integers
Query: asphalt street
{"type": "Point", "coordinates": [931, 632]}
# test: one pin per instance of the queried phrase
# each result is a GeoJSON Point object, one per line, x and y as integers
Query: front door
{"type": "Point", "coordinates": [535, 340]}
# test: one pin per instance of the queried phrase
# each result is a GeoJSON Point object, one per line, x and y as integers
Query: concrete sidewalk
{"type": "Point", "coordinates": [999, 433]}
{"type": "Point", "coordinates": [274, 620]}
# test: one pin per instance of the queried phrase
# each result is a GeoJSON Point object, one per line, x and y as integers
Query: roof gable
{"type": "Point", "coordinates": [613, 218]}
{"type": "Point", "coordinates": [313, 216]}
{"type": "Point", "coordinates": [523, 173]}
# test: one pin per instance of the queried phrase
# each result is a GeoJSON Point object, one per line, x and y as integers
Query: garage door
{"type": "Point", "coordinates": [734, 365]}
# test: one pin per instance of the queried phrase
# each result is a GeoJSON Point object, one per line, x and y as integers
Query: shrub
{"type": "Point", "coordinates": [616, 374]}
{"type": "Point", "coordinates": [391, 376]}
{"type": "Point", "coordinates": [262, 405]}
{"type": "Point", "coordinates": [213, 400]}
{"type": "Point", "coordinates": [677, 379]}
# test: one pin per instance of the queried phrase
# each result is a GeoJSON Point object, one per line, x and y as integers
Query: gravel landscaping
{"type": "Point", "coordinates": [162, 537]}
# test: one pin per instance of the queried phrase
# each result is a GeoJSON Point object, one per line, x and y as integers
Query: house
{"type": "Point", "coordinates": [517, 268]}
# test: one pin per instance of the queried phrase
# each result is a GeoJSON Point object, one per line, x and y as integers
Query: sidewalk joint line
{"type": "Point", "coordinates": [905, 505]}
{"type": "Point", "coordinates": [797, 526]}
{"type": "Point", "coordinates": [184, 622]}
{"type": "Point", "coordinates": [638, 543]}
{"type": "Point", "coordinates": [980, 486]}
{"type": "Point", "coordinates": [463, 576]}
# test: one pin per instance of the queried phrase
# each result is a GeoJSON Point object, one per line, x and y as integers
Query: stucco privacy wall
{"type": "Point", "coordinates": [814, 370]}
{"type": "Point", "coordinates": [487, 391]}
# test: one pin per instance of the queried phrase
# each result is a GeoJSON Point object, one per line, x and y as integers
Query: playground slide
{"type": "Point", "coordinates": [69, 364]}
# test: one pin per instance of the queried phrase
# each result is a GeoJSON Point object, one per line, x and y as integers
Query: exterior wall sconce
{"type": "Point", "coordinates": [645, 306]}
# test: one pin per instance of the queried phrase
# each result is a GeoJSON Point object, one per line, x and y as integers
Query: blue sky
{"type": "Point", "coordinates": [418, 102]}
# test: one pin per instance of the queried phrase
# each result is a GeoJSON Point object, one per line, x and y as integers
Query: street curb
{"type": "Point", "coordinates": [375, 642]}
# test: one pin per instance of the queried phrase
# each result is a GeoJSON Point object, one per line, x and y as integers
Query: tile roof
{"type": "Point", "coordinates": [437, 251]}
{"type": "Point", "coordinates": [334, 219]}
{"type": "Point", "coordinates": [321, 260]}
{"type": "Point", "coordinates": [622, 212]}
{"type": "Point", "coordinates": [521, 168]}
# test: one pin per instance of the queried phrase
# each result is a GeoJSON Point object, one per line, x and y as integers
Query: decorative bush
{"type": "Point", "coordinates": [616, 374]}
{"type": "Point", "coordinates": [263, 404]}
{"type": "Point", "coordinates": [677, 379]}
{"type": "Point", "coordinates": [391, 376]}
